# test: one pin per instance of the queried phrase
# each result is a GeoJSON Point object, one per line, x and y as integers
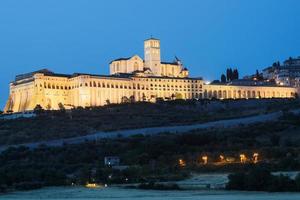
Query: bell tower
{"type": "Point", "coordinates": [152, 55]}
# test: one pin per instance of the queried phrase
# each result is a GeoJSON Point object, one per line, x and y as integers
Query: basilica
{"type": "Point", "coordinates": [131, 79]}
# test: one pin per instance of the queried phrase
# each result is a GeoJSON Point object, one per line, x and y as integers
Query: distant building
{"type": "Point", "coordinates": [287, 74]}
{"type": "Point", "coordinates": [131, 79]}
{"type": "Point", "coordinates": [112, 161]}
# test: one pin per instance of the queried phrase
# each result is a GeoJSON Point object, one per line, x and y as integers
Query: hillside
{"type": "Point", "coordinates": [157, 158]}
{"type": "Point", "coordinates": [64, 124]}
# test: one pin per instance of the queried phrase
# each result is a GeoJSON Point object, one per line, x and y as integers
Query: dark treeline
{"type": "Point", "coordinates": [261, 179]}
{"type": "Point", "coordinates": [231, 74]}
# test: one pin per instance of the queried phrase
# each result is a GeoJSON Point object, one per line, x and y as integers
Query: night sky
{"type": "Point", "coordinates": [69, 36]}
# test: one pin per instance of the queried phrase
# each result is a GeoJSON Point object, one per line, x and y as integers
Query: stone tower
{"type": "Point", "coordinates": [152, 55]}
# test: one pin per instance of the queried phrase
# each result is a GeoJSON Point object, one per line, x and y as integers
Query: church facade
{"type": "Point", "coordinates": [131, 79]}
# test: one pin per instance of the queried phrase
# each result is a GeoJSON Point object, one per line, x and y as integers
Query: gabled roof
{"type": "Point", "coordinates": [119, 59]}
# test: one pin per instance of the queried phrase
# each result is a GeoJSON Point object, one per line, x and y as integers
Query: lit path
{"type": "Point", "coordinates": [157, 130]}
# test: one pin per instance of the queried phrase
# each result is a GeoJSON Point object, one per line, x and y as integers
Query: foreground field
{"type": "Point", "coordinates": [79, 193]}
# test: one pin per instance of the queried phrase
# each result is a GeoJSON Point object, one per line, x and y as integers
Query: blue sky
{"type": "Point", "coordinates": [69, 36]}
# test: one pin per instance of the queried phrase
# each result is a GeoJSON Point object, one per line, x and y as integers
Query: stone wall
{"type": "Point", "coordinates": [89, 90]}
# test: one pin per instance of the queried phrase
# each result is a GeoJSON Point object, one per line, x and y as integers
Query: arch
{"type": "Point", "coordinates": [224, 94]}
{"type": "Point", "coordinates": [219, 94]}
{"type": "Point", "coordinates": [209, 94]}
{"type": "Point", "coordinates": [248, 94]}
{"type": "Point", "coordinates": [234, 94]}
{"type": "Point", "coordinates": [244, 94]}
{"type": "Point", "coordinates": [229, 94]}
{"type": "Point", "coordinates": [215, 94]}
{"type": "Point", "coordinates": [253, 94]}
{"type": "Point", "coordinates": [239, 93]}
{"type": "Point", "coordinates": [258, 94]}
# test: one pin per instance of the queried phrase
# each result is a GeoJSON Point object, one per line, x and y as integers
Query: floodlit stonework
{"type": "Point", "coordinates": [130, 79]}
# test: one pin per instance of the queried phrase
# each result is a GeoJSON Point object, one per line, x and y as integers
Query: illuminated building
{"type": "Point", "coordinates": [131, 79]}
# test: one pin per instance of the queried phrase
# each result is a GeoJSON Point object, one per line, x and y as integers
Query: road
{"type": "Point", "coordinates": [156, 130]}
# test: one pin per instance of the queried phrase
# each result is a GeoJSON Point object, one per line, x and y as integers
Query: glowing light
{"type": "Point", "coordinates": [222, 158]}
{"type": "Point", "coordinates": [181, 163]}
{"type": "Point", "coordinates": [204, 158]}
{"type": "Point", "coordinates": [243, 158]}
{"type": "Point", "coordinates": [255, 157]}
{"type": "Point", "coordinates": [93, 185]}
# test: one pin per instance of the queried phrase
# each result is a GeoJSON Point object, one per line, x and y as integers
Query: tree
{"type": "Point", "coordinates": [223, 78]}
{"type": "Point", "coordinates": [107, 102]}
{"type": "Point", "coordinates": [235, 74]}
{"type": "Point", "coordinates": [38, 109]}
{"type": "Point", "coordinates": [297, 180]}
{"type": "Point", "coordinates": [61, 107]}
{"type": "Point", "coordinates": [258, 76]}
{"type": "Point", "coordinates": [173, 96]}
{"type": "Point", "coordinates": [144, 97]}
{"type": "Point", "coordinates": [236, 181]}
{"type": "Point", "coordinates": [276, 64]}
{"type": "Point", "coordinates": [9, 111]}
{"type": "Point", "coordinates": [124, 99]}
{"type": "Point", "coordinates": [48, 107]}
{"type": "Point", "coordinates": [131, 99]}
{"type": "Point", "coordinates": [178, 95]}
{"type": "Point", "coordinates": [229, 74]}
